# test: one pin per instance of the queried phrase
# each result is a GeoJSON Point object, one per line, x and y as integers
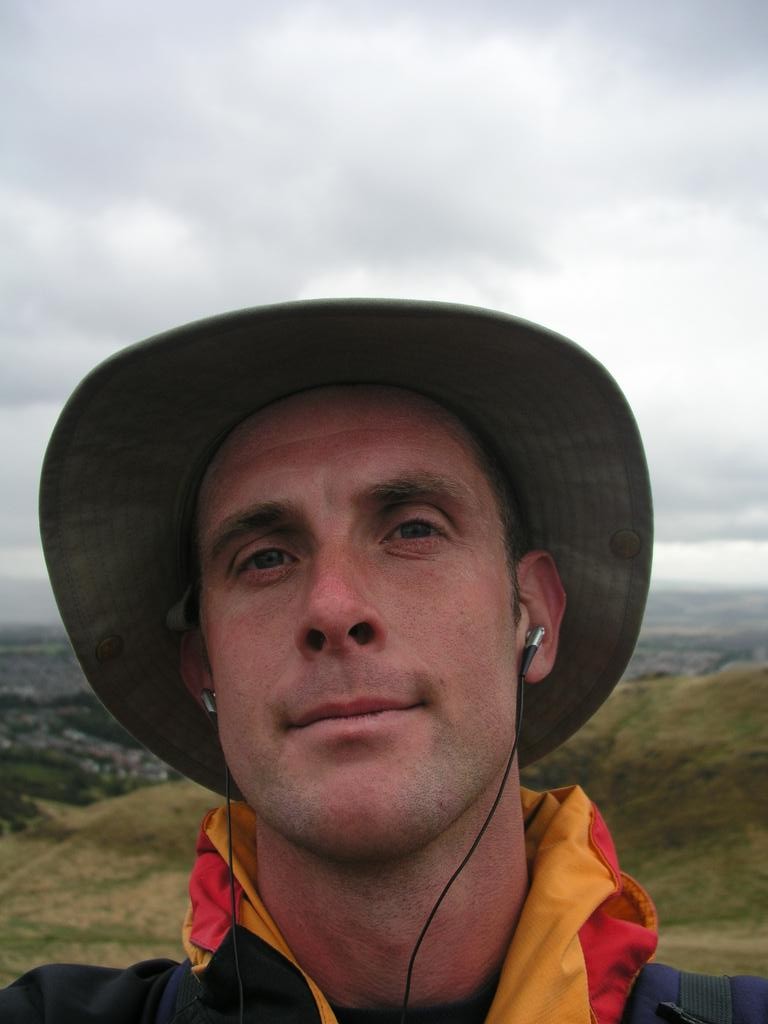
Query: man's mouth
{"type": "Point", "coordinates": [364, 707]}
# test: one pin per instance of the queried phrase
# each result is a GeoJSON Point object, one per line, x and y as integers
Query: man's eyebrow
{"type": "Point", "coordinates": [257, 517]}
{"type": "Point", "coordinates": [414, 487]}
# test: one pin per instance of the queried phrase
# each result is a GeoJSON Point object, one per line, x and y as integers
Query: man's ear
{"type": "Point", "coordinates": [193, 663]}
{"type": "Point", "coordinates": [542, 603]}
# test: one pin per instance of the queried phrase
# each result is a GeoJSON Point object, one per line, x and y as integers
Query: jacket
{"type": "Point", "coordinates": [585, 933]}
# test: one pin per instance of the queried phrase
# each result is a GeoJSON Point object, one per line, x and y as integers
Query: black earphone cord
{"type": "Point", "coordinates": [470, 851]}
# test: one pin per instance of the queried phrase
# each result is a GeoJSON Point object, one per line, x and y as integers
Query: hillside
{"type": "Point", "coordinates": [678, 767]}
{"type": "Point", "coordinates": [100, 884]}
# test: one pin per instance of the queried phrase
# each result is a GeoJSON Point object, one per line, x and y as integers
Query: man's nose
{"type": "Point", "coordinates": [338, 617]}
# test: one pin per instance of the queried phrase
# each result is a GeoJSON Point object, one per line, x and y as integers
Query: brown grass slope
{"type": "Point", "coordinates": [102, 884]}
{"type": "Point", "coordinates": [679, 768]}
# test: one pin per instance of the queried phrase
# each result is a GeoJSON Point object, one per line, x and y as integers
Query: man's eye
{"type": "Point", "coordinates": [270, 558]}
{"type": "Point", "coordinates": [415, 529]}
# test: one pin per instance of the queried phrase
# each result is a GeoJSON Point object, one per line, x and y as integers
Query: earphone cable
{"type": "Point", "coordinates": [473, 847]}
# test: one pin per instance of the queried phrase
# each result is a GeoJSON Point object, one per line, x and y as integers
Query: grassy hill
{"type": "Point", "coordinates": [679, 767]}
{"type": "Point", "coordinates": [100, 884]}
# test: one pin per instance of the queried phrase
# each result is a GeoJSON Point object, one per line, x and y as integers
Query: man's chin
{"type": "Point", "coordinates": [359, 849]}
{"type": "Point", "coordinates": [350, 831]}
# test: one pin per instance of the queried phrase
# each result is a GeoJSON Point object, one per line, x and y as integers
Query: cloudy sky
{"type": "Point", "coordinates": [600, 167]}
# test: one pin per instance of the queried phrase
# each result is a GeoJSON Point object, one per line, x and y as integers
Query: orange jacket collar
{"type": "Point", "coordinates": [585, 932]}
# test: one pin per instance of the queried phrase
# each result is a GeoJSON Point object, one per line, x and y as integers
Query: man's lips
{"type": "Point", "coordinates": [349, 710]}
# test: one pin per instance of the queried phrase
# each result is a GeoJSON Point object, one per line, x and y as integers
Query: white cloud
{"type": "Point", "coordinates": [595, 168]}
{"type": "Point", "coordinates": [742, 563]}
{"type": "Point", "coordinates": [25, 431]}
{"type": "Point", "coordinates": [22, 562]}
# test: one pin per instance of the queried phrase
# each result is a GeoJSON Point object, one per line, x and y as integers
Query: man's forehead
{"type": "Point", "coordinates": [299, 418]}
{"type": "Point", "coordinates": [366, 404]}
{"type": "Point", "coordinates": [392, 432]}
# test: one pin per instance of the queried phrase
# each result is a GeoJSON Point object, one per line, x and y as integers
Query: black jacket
{"type": "Point", "coordinates": [155, 992]}
{"type": "Point", "coordinates": [275, 992]}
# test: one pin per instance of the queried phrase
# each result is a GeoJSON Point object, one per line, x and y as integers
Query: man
{"type": "Point", "coordinates": [360, 625]}
{"type": "Point", "coordinates": [342, 532]}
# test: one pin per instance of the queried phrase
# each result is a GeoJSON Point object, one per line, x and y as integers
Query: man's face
{"type": "Point", "coordinates": [357, 612]}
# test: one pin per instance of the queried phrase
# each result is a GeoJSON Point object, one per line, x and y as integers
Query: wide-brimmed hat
{"type": "Point", "coordinates": [126, 457]}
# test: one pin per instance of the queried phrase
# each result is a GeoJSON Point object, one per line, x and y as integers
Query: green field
{"type": "Point", "coordinates": [679, 768]}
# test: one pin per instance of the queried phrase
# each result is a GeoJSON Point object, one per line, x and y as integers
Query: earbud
{"type": "Point", "coordinates": [534, 636]}
{"type": "Point", "coordinates": [208, 700]}
{"type": "Point", "coordinates": [533, 640]}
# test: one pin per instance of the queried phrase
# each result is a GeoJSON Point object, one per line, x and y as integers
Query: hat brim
{"type": "Point", "coordinates": [131, 444]}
